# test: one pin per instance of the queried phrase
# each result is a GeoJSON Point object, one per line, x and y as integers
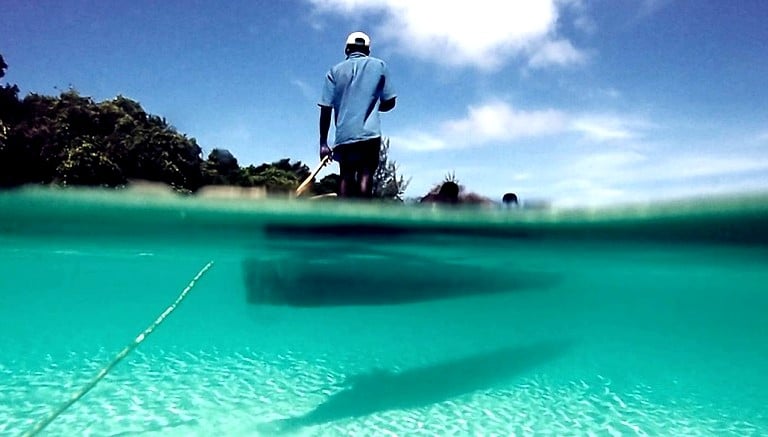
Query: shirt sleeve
{"type": "Point", "coordinates": [388, 92]}
{"type": "Point", "coordinates": [329, 90]}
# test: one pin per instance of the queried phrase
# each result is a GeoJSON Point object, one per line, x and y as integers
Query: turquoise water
{"type": "Point", "coordinates": [324, 318]}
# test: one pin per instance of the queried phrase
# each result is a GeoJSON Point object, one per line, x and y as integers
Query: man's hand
{"type": "Point", "coordinates": [387, 105]}
{"type": "Point", "coordinates": [325, 124]}
{"type": "Point", "coordinates": [325, 151]}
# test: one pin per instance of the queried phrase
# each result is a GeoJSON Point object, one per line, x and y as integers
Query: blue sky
{"type": "Point", "coordinates": [576, 102]}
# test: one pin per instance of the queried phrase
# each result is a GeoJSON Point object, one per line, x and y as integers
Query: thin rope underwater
{"type": "Point", "coordinates": [119, 357]}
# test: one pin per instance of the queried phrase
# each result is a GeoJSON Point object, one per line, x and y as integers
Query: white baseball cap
{"type": "Point", "coordinates": [359, 39]}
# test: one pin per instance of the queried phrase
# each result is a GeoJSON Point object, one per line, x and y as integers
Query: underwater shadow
{"type": "Point", "coordinates": [384, 390]}
{"type": "Point", "coordinates": [371, 278]}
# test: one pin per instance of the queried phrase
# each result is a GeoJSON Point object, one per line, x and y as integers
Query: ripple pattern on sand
{"type": "Point", "coordinates": [252, 393]}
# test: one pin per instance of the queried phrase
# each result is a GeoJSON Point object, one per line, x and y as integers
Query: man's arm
{"type": "Point", "coordinates": [387, 105]}
{"type": "Point", "coordinates": [387, 94]}
{"type": "Point", "coordinates": [325, 125]}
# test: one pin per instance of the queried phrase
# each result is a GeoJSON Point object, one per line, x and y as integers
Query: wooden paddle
{"type": "Point", "coordinates": [308, 181]}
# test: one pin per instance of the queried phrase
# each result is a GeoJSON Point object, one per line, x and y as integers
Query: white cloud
{"type": "Point", "coordinates": [499, 122]}
{"type": "Point", "coordinates": [609, 163]}
{"type": "Point", "coordinates": [631, 166]}
{"type": "Point", "coordinates": [485, 123]}
{"type": "Point", "coordinates": [628, 176]}
{"type": "Point", "coordinates": [578, 192]}
{"type": "Point", "coordinates": [306, 90]}
{"type": "Point", "coordinates": [650, 7]}
{"type": "Point", "coordinates": [699, 166]}
{"type": "Point", "coordinates": [560, 52]}
{"type": "Point", "coordinates": [601, 129]}
{"type": "Point", "coordinates": [418, 141]}
{"type": "Point", "coordinates": [619, 164]}
{"type": "Point", "coordinates": [599, 159]}
{"type": "Point", "coordinates": [521, 177]}
{"type": "Point", "coordinates": [482, 33]}
{"type": "Point", "coordinates": [608, 127]}
{"type": "Point", "coordinates": [585, 24]}
{"type": "Point", "coordinates": [597, 178]}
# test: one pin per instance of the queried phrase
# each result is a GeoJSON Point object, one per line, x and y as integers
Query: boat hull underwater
{"type": "Point", "coordinates": [342, 263]}
{"type": "Point", "coordinates": [314, 266]}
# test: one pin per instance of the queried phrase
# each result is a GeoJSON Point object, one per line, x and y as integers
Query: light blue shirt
{"type": "Point", "coordinates": [354, 88]}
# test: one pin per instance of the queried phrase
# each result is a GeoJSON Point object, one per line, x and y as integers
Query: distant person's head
{"type": "Point", "coordinates": [358, 42]}
{"type": "Point", "coordinates": [449, 192]}
{"type": "Point", "coordinates": [509, 199]}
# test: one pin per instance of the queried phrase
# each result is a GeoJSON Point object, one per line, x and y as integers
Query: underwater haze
{"type": "Point", "coordinates": [339, 318]}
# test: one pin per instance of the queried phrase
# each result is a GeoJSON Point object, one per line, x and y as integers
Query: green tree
{"type": "Point", "coordinates": [387, 183]}
{"type": "Point", "coordinates": [87, 162]}
{"type": "Point", "coordinates": [56, 139]}
{"type": "Point", "coordinates": [156, 152]}
{"type": "Point", "coordinates": [9, 110]}
{"type": "Point", "coordinates": [32, 131]}
{"type": "Point", "coordinates": [278, 177]}
{"type": "Point", "coordinates": [327, 185]}
{"type": "Point", "coordinates": [221, 168]}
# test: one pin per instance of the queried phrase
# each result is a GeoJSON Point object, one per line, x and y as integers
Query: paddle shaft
{"type": "Point", "coordinates": [308, 181]}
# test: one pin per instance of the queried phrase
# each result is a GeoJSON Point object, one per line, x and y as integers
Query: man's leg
{"type": "Point", "coordinates": [348, 187]}
{"type": "Point", "coordinates": [343, 188]}
{"type": "Point", "coordinates": [346, 170]}
{"type": "Point", "coordinates": [369, 150]}
{"type": "Point", "coordinates": [366, 184]}
{"type": "Point", "coordinates": [357, 165]}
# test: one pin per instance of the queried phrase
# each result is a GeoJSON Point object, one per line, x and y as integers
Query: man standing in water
{"type": "Point", "coordinates": [352, 91]}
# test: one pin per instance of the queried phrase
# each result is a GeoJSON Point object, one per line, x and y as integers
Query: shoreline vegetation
{"type": "Point", "coordinates": [71, 140]}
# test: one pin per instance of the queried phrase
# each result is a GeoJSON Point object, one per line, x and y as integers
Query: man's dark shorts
{"type": "Point", "coordinates": [362, 156]}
